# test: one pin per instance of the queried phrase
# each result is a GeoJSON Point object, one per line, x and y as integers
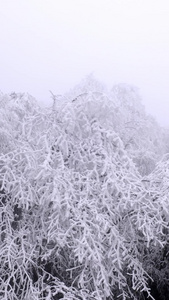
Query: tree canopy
{"type": "Point", "coordinates": [83, 198]}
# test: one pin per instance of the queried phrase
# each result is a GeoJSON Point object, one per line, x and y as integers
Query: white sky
{"type": "Point", "coordinates": [53, 44]}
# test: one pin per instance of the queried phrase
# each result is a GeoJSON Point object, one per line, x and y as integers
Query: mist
{"type": "Point", "coordinates": [52, 45]}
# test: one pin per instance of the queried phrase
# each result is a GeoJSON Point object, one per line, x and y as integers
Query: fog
{"type": "Point", "coordinates": [52, 45]}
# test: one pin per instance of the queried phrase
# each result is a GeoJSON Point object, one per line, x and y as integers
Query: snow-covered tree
{"type": "Point", "coordinates": [142, 136]}
{"type": "Point", "coordinates": [76, 215]}
{"type": "Point", "coordinates": [156, 260]}
{"type": "Point", "coordinates": [87, 85]}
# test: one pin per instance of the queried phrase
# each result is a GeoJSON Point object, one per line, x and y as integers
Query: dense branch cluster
{"type": "Point", "coordinates": [79, 220]}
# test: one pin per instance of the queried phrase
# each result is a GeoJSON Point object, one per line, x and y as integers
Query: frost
{"type": "Point", "coordinates": [77, 216]}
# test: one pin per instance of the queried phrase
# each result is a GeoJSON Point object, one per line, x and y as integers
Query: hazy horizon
{"type": "Point", "coordinates": [53, 45]}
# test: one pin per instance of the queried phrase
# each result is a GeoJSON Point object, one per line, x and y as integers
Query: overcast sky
{"type": "Point", "coordinates": [53, 44]}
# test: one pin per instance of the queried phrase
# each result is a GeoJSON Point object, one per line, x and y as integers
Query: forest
{"type": "Point", "coordinates": [84, 197]}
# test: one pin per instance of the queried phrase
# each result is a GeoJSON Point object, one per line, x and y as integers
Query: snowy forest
{"type": "Point", "coordinates": [84, 197]}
